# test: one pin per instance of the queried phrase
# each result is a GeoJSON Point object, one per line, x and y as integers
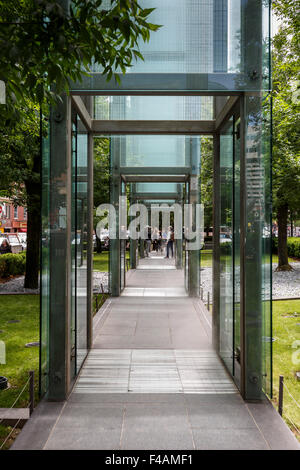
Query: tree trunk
{"type": "Point", "coordinates": [282, 219]}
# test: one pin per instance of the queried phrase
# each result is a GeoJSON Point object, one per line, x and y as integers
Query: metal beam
{"type": "Point", "coordinates": [154, 178]}
{"type": "Point", "coordinates": [171, 171]}
{"type": "Point", "coordinates": [227, 109]}
{"type": "Point", "coordinates": [153, 127]}
{"type": "Point", "coordinates": [158, 196]}
{"type": "Point", "coordinates": [155, 84]}
{"type": "Point", "coordinates": [82, 111]}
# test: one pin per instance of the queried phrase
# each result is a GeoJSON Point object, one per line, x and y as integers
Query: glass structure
{"type": "Point", "coordinates": [206, 73]}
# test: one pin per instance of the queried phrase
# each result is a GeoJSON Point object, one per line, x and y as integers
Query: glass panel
{"type": "Point", "coordinates": [122, 249]}
{"type": "Point", "coordinates": [81, 245]}
{"type": "Point", "coordinates": [202, 45]}
{"type": "Point", "coordinates": [152, 151]}
{"type": "Point", "coordinates": [236, 250]}
{"type": "Point", "coordinates": [266, 241]}
{"type": "Point", "coordinates": [78, 245]}
{"type": "Point", "coordinates": [153, 107]}
{"type": "Point", "coordinates": [45, 267]}
{"type": "Point", "coordinates": [258, 327]}
{"type": "Point", "coordinates": [157, 188]}
{"type": "Point", "coordinates": [186, 252]}
{"type": "Point", "coordinates": [226, 248]}
{"type": "Point", "coordinates": [73, 247]}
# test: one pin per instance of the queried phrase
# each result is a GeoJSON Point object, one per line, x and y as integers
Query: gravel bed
{"type": "Point", "coordinates": [16, 286]}
{"type": "Point", "coordinates": [286, 284]}
{"type": "Point", "coordinates": [100, 278]}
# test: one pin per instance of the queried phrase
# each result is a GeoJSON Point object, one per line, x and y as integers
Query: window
{"type": "Point", "coordinates": [25, 213]}
{"type": "Point", "coordinates": [15, 212]}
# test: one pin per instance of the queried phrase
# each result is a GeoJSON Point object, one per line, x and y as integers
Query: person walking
{"type": "Point", "coordinates": [148, 242]}
{"type": "Point", "coordinates": [155, 239]}
{"type": "Point", "coordinates": [5, 247]}
{"type": "Point", "coordinates": [170, 242]}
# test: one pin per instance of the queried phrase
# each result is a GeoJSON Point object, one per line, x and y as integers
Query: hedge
{"type": "Point", "coordinates": [293, 245]}
{"type": "Point", "coordinates": [12, 264]}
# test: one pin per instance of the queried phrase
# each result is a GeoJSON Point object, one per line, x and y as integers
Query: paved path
{"type": "Point", "coordinates": [153, 381]}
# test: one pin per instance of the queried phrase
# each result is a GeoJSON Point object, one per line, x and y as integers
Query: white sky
{"type": "Point", "coordinates": [275, 24]}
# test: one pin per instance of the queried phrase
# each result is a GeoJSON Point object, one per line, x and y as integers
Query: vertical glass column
{"type": "Point", "coordinates": [194, 198]}
{"type": "Point", "coordinates": [257, 269]}
{"type": "Point", "coordinates": [123, 242]}
{"type": "Point", "coordinates": [179, 242]}
{"type": "Point", "coordinates": [81, 244]}
{"type": "Point", "coordinates": [237, 249]}
{"type": "Point", "coordinates": [115, 192]}
{"type": "Point", "coordinates": [60, 195]}
{"type": "Point", "coordinates": [45, 267]}
{"type": "Point", "coordinates": [79, 211]}
{"type": "Point", "coordinates": [226, 246]}
{"type": "Point", "coordinates": [133, 243]}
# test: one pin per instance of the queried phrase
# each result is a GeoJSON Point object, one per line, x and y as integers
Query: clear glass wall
{"type": "Point", "coordinates": [79, 245]}
{"type": "Point", "coordinates": [45, 268]}
{"type": "Point", "coordinates": [226, 245]}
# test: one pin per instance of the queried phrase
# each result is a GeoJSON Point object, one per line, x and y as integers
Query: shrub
{"type": "Point", "coordinates": [12, 264]}
{"type": "Point", "coordinates": [293, 245]}
{"type": "Point", "coordinates": [226, 248]}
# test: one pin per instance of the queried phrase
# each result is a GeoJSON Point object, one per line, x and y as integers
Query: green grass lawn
{"type": "Point", "coordinates": [286, 330]}
{"type": "Point", "coordinates": [206, 259]}
{"type": "Point", "coordinates": [101, 261]}
{"type": "Point", "coordinates": [19, 359]}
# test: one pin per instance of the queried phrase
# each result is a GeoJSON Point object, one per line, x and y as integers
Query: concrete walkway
{"type": "Point", "coordinates": [152, 381]}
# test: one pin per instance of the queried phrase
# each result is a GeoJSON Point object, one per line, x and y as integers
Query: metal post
{"type": "Point", "coordinates": [216, 243]}
{"type": "Point", "coordinates": [194, 255]}
{"type": "Point", "coordinates": [90, 230]}
{"type": "Point", "coordinates": [61, 366]}
{"type": "Point", "coordinates": [31, 391]}
{"type": "Point", "coordinates": [207, 300]}
{"type": "Point", "coordinates": [280, 399]}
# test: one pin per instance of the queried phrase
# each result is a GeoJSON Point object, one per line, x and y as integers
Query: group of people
{"type": "Point", "coordinates": [158, 240]}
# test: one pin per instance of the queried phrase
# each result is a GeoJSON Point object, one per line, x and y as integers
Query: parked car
{"type": "Point", "coordinates": [13, 240]}
{"type": "Point", "coordinates": [225, 238]}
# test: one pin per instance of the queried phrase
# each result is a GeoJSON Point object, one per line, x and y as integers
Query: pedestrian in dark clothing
{"type": "Point", "coordinates": [5, 247]}
{"type": "Point", "coordinates": [170, 242]}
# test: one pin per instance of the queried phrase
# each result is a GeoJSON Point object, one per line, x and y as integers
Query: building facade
{"type": "Point", "coordinates": [12, 218]}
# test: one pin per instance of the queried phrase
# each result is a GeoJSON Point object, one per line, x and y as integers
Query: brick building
{"type": "Point", "coordinates": [12, 218]}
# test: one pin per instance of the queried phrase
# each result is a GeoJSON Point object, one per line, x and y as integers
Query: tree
{"type": "Point", "coordinates": [286, 122]}
{"type": "Point", "coordinates": [207, 180]}
{"type": "Point", "coordinates": [20, 176]}
{"type": "Point", "coordinates": [45, 45]}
